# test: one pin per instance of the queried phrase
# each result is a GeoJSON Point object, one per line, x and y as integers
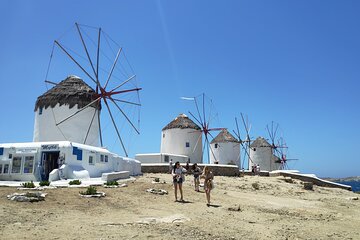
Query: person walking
{"type": "Point", "coordinates": [178, 179]}
{"type": "Point", "coordinates": [197, 172]}
{"type": "Point", "coordinates": [170, 166]}
{"type": "Point", "coordinates": [208, 183]}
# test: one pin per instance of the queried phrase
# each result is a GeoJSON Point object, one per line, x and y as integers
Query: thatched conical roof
{"type": "Point", "coordinates": [260, 142]}
{"type": "Point", "coordinates": [224, 136]}
{"type": "Point", "coordinates": [182, 121]}
{"type": "Point", "coordinates": [70, 91]}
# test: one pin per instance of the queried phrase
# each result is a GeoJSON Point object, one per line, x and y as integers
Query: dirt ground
{"type": "Point", "coordinates": [276, 210]}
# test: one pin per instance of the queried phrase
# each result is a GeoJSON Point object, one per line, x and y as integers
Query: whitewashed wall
{"type": "Point", "coordinates": [74, 129]}
{"type": "Point", "coordinates": [225, 153]}
{"type": "Point", "coordinates": [264, 157]}
{"type": "Point", "coordinates": [72, 166]}
{"type": "Point", "coordinates": [173, 141]}
{"type": "Point", "coordinates": [160, 158]}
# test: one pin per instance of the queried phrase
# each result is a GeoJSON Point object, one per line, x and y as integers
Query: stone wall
{"type": "Point", "coordinates": [314, 180]}
{"type": "Point", "coordinates": [217, 169]}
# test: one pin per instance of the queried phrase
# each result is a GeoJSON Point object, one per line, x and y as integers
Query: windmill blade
{"type": "Point", "coordinates": [123, 83]}
{"type": "Point", "coordinates": [78, 111]}
{"type": "Point", "coordinates": [126, 117]}
{"type": "Point", "coordinates": [247, 147]}
{"type": "Point", "coordinates": [210, 149]}
{"type": "Point", "coordinates": [203, 103]}
{"type": "Point", "coordinates": [210, 116]}
{"type": "Point", "coordinates": [276, 129]}
{"type": "Point", "coordinates": [73, 59]}
{"type": "Point", "coordinates": [98, 59]}
{"type": "Point", "coordinates": [213, 117]}
{"type": "Point", "coordinates": [267, 128]}
{"type": "Point", "coordinates": [196, 119]}
{"type": "Point", "coordinates": [238, 130]}
{"type": "Point", "coordinates": [203, 150]}
{"type": "Point", "coordinates": [91, 122]}
{"type": "Point", "coordinates": [276, 150]}
{"type": "Point", "coordinates": [123, 101]}
{"type": "Point", "coordinates": [115, 126]}
{"type": "Point", "coordinates": [122, 91]}
{"type": "Point", "coordinates": [197, 142]}
{"type": "Point", "coordinates": [53, 83]}
{"type": "Point", "coordinates": [87, 52]}
{"type": "Point", "coordinates": [246, 128]}
{"type": "Point", "coordinates": [112, 68]}
{"type": "Point", "coordinates": [243, 163]}
{"type": "Point", "coordinates": [245, 125]}
{"type": "Point", "coordinates": [197, 109]}
{"type": "Point", "coordinates": [100, 132]}
{"type": "Point", "coordinates": [236, 134]}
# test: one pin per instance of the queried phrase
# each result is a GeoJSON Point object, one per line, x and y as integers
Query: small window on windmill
{"type": "Point", "coordinates": [106, 158]}
{"type": "Point", "coordinates": [101, 158]}
{"type": "Point", "coordinates": [166, 158]}
{"type": "Point", "coordinates": [187, 144]}
{"type": "Point", "coordinates": [40, 110]}
{"type": "Point", "coordinates": [91, 160]}
{"type": "Point", "coordinates": [254, 149]}
{"type": "Point", "coordinates": [163, 135]}
{"type": "Point", "coordinates": [10, 156]}
{"type": "Point", "coordinates": [216, 145]}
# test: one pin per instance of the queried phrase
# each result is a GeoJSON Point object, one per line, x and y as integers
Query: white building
{"type": "Point", "coordinates": [67, 150]}
{"type": "Point", "coordinates": [225, 149]}
{"type": "Point", "coordinates": [181, 140]}
{"type": "Point", "coordinates": [182, 137]}
{"type": "Point", "coordinates": [56, 160]}
{"type": "Point", "coordinates": [261, 153]}
{"type": "Point", "coordinates": [60, 102]}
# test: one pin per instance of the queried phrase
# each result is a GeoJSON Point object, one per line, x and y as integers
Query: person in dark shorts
{"type": "Point", "coordinates": [178, 179]}
{"type": "Point", "coordinates": [197, 172]}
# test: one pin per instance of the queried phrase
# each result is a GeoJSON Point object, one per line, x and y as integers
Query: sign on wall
{"type": "Point", "coordinates": [50, 147]}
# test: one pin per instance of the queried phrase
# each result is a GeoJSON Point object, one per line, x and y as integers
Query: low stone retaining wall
{"type": "Point", "coordinates": [250, 173]}
{"type": "Point", "coordinates": [113, 176]}
{"type": "Point", "coordinates": [217, 169]}
{"type": "Point", "coordinates": [314, 180]}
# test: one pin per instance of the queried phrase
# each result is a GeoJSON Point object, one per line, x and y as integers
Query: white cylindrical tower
{"type": "Point", "coordinates": [261, 153]}
{"type": "Point", "coordinates": [60, 102]}
{"type": "Point", "coordinates": [183, 137]}
{"type": "Point", "coordinates": [225, 149]}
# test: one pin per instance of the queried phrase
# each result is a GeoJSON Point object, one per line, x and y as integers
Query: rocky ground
{"type": "Point", "coordinates": [248, 207]}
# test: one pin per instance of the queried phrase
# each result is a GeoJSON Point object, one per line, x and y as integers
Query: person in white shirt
{"type": "Point", "coordinates": [178, 179]}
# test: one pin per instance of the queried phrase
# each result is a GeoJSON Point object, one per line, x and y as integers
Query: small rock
{"type": "Point", "coordinates": [235, 209]}
{"type": "Point", "coordinates": [353, 198]}
{"type": "Point", "coordinates": [308, 186]}
{"type": "Point", "coordinates": [157, 191]}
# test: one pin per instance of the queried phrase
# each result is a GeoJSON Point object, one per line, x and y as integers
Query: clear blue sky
{"type": "Point", "coordinates": [293, 62]}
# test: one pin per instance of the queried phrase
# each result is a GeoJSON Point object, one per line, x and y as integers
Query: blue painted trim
{"type": "Point", "coordinates": [1, 151]}
{"type": "Point", "coordinates": [78, 153]}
